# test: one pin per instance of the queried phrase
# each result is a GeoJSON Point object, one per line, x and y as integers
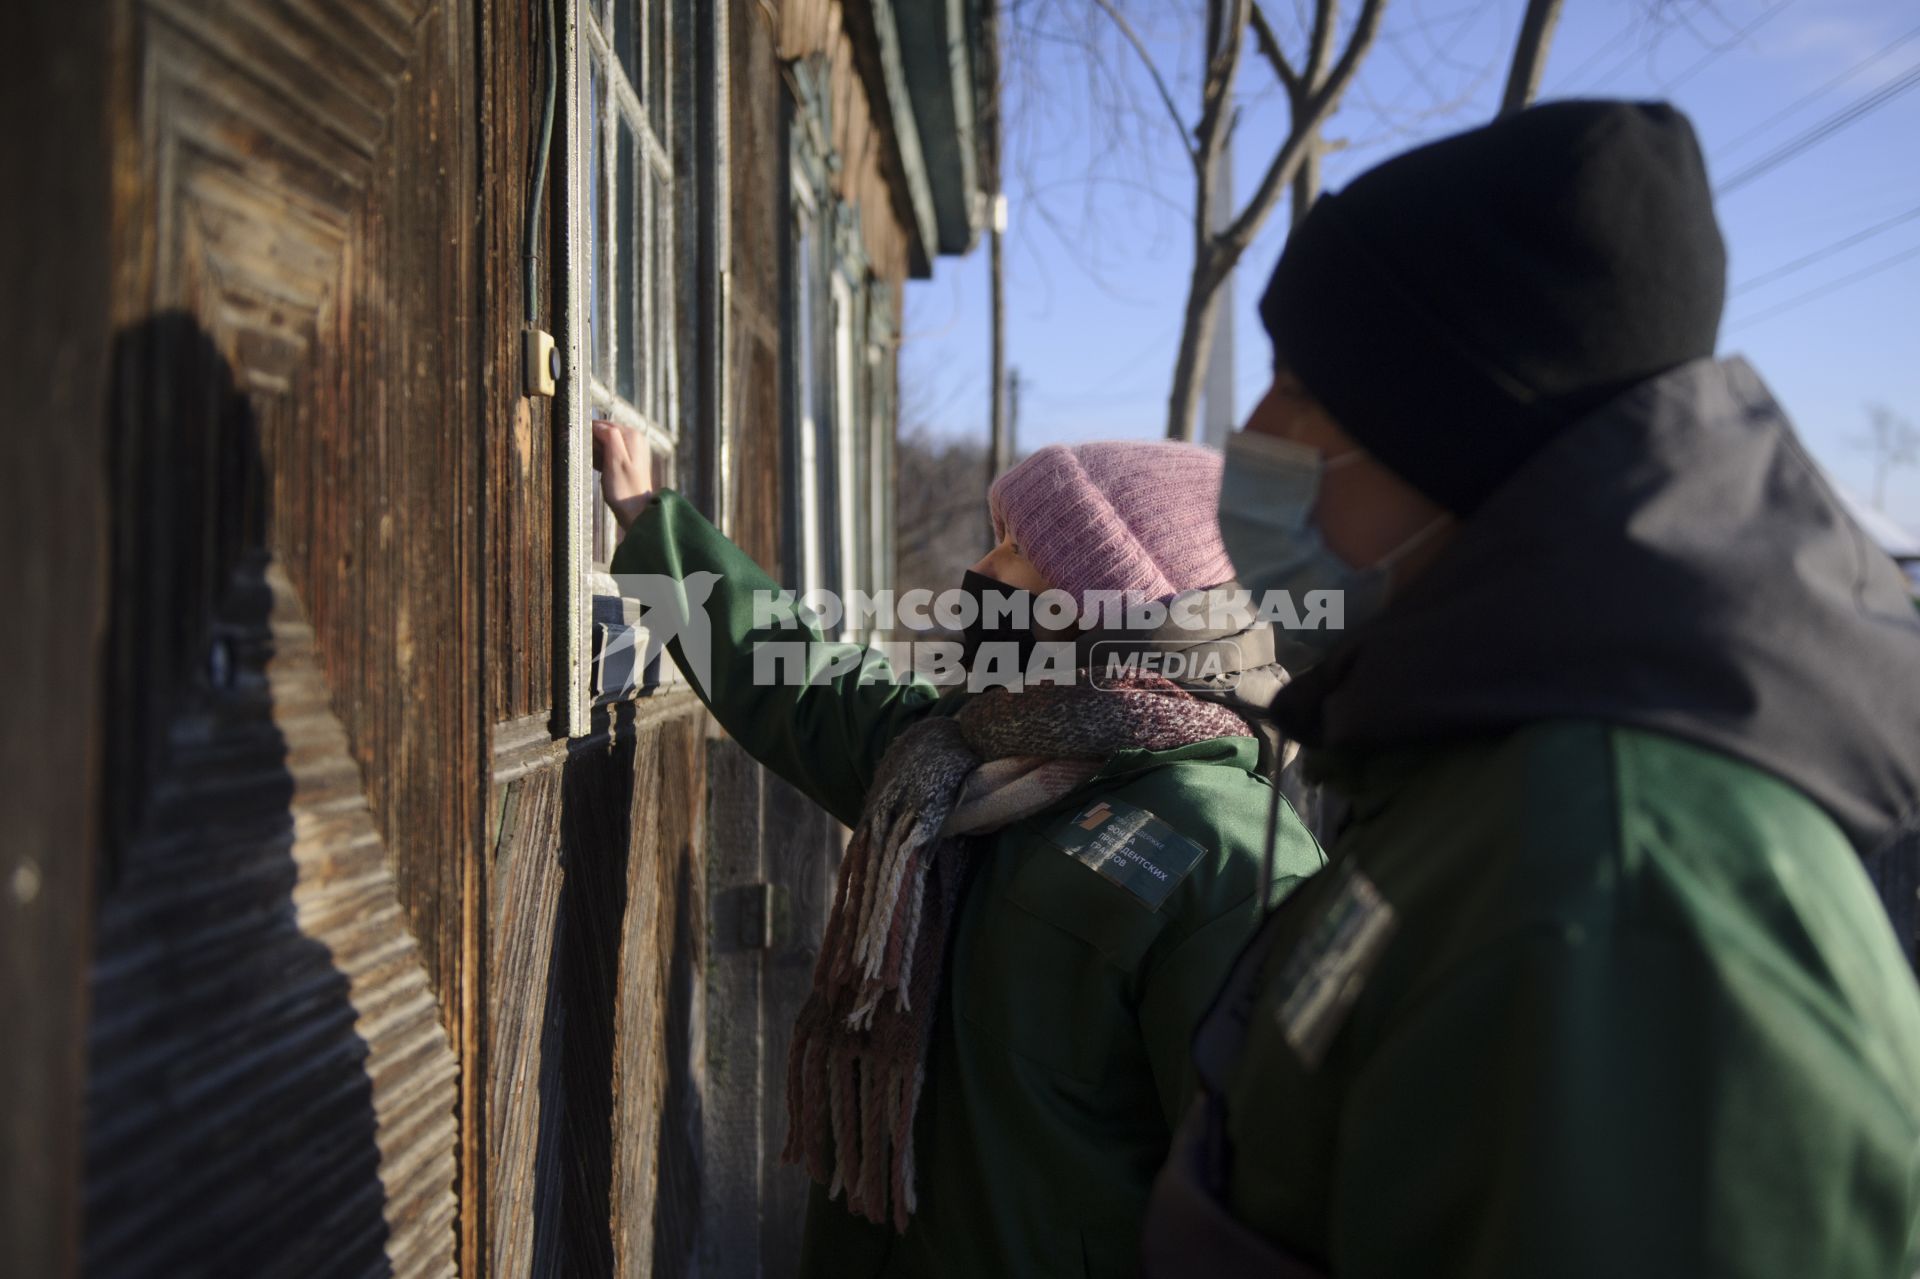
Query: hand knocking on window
{"type": "Point", "coordinates": [625, 462]}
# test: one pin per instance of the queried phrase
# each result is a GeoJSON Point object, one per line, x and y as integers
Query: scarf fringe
{"type": "Point", "coordinates": [857, 1065]}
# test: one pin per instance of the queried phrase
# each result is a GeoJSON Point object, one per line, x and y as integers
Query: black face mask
{"type": "Point", "coordinates": [1001, 630]}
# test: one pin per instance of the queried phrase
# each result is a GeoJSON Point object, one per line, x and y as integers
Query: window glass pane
{"type": "Point", "coordinates": [657, 320]}
{"type": "Point", "coordinates": [596, 227]}
{"type": "Point", "coordinates": [626, 44]}
{"type": "Point", "coordinates": [831, 561]}
{"type": "Point", "coordinates": [804, 383]}
{"type": "Point", "coordinates": [628, 253]}
{"type": "Point", "coordinates": [656, 95]}
{"type": "Point", "coordinates": [847, 502]}
{"type": "Point", "coordinates": [660, 292]}
{"type": "Point", "coordinates": [878, 425]}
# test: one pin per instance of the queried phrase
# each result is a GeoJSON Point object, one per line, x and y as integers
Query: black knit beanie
{"type": "Point", "coordinates": [1456, 306]}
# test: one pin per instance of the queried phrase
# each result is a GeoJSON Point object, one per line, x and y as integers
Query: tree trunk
{"type": "Point", "coordinates": [1306, 180]}
{"type": "Point", "coordinates": [1196, 343]}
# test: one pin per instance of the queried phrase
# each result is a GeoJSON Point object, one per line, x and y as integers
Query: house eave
{"type": "Point", "coordinates": [906, 139]}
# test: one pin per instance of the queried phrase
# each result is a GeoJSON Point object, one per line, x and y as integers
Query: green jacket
{"type": "Point", "coordinates": [1597, 981]}
{"type": "Point", "coordinates": [1634, 1010]}
{"type": "Point", "coordinates": [1060, 1059]}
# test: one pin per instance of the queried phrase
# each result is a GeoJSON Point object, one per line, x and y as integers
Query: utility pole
{"type": "Point", "coordinates": [1000, 450]}
{"type": "Point", "coordinates": [1013, 415]}
{"type": "Point", "coordinates": [1006, 431]}
{"type": "Point", "coordinates": [1217, 422]}
{"type": "Point", "coordinates": [1530, 54]}
{"type": "Point", "coordinates": [999, 443]}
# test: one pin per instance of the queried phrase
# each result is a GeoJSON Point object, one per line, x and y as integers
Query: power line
{"type": "Point", "coordinates": [1822, 131]}
{"type": "Point", "coordinates": [1644, 51]}
{"type": "Point", "coordinates": [1824, 252]}
{"type": "Point", "coordinates": [1824, 289]}
{"type": "Point", "coordinates": [1731, 43]}
{"type": "Point", "coordinates": [1574, 75]}
{"type": "Point", "coordinates": [1805, 98]}
{"type": "Point", "coordinates": [1721, 50]}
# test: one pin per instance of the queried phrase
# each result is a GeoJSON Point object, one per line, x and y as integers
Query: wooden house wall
{"type": "Point", "coordinates": [637, 1035]}
{"type": "Point", "coordinates": [295, 742]}
{"type": "Point", "coordinates": [520, 509]}
{"type": "Point", "coordinates": [595, 996]}
{"type": "Point", "coordinates": [380, 971]}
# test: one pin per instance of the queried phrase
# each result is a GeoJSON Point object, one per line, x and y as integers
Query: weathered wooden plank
{"type": "Point", "coordinates": [525, 1003]}
{"type": "Point", "coordinates": [272, 1088]}
{"type": "Point", "coordinates": [738, 1147]}
{"type": "Point", "coordinates": [803, 850]}
{"type": "Point", "coordinates": [519, 479]}
{"type": "Point", "coordinates": [300, 190]}
{"type": "Point", "coordinates": [340, 284]}
{"type": "Point", "coordinates": [660, 1021]}
{"type": "Point", "coordinates": [758, 149]}
{"type": "Point", "coordinates": [595, 830]}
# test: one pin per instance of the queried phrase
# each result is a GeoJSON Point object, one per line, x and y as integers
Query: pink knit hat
{"type": "Point", "coordinates": [1121, 515]}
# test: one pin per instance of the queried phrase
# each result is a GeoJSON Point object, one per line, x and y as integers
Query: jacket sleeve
{"type": "Point", "coordinates": [1575, 1104]}
{"type": "Point", "coordinates": [824, 724]}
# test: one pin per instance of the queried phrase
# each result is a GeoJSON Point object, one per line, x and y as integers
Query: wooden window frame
{"type": "Point", "coordinates": [829, 428]}
{"type": "Point", "coordinates": [879, 383]}
{"type": "Point", "coordinates": [601, 641]}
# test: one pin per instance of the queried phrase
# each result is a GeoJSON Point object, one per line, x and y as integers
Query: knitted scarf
{"type": "Point", "coordinates": [858, 1060]}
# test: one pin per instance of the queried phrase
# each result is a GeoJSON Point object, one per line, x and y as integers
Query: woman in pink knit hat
{"type": "Point", "coordinates": [1044, 885]}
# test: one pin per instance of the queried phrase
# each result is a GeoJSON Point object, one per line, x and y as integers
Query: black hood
{"type": "Point", "coordinates": [1674, 562]}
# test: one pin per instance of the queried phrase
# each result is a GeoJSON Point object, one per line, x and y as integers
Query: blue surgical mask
{"type": "Point", "coordinates": [1267, 496]}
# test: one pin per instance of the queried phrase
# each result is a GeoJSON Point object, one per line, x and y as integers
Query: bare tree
{"type": "Point", "coordinates": [1312, 81]}
{"type": "Point", "coordinates": [1894, 443]}
{"type": "Point", "coordinates": [1313, 85]}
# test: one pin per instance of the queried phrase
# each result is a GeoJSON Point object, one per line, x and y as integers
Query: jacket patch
{"type": "Point", "coordinates": [1130, 847]}
{"type": "Point", "coordinates": [1329, 965]}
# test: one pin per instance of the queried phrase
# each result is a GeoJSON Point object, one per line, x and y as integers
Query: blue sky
{"type": "Point", "coordinates": [1098, 251]}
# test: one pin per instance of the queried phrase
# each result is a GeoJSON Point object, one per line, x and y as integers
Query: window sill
{"type": "Point", "coordinates": [618, 673]}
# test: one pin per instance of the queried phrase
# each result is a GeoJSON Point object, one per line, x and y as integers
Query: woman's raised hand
{"type": "Point", "coordinates": [625, 463]}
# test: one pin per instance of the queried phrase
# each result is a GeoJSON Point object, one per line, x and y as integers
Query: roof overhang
{"type": "Point", "coordinates": [937, 53]}
{"type": "Point", "coordinates": [927, 67]}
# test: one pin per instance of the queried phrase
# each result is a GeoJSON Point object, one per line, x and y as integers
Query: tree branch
{"type": "Point", "coordinates": [1530, 54]}
{"type": "Point", "coordinates": [1319, 104]}
{"type": "Point", "coordinates": [1276, 56]}
{"type": "Point", "coordinates": [1326, 20]}
{"type": "Point", "coordinates": [1225, 31]}
{"type": "Point", "coordinates": [1166, 96]}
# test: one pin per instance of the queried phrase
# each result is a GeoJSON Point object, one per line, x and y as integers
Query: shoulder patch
{"type": "Point", "coordinates": [1129, 846]}
{"type": "Point", "coordinates": [1328, 966]}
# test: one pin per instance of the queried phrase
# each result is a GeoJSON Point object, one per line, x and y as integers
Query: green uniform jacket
{"type": "Point", "coordinates": [1634, 1010]}
{"type": "Point", "coordinates": [1597, 981]}
{"type": "Point", "coordinates": [1061, 1057]}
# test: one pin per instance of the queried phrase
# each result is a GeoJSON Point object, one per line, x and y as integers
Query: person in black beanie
{"type": "Point", "coordinates": [1622, 703]}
